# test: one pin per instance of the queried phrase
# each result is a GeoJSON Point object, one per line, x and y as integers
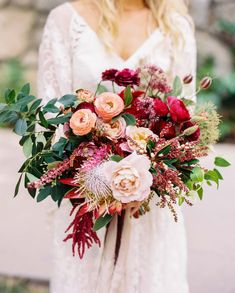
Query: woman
{"type": "Point", "coordinates": [80, 40]}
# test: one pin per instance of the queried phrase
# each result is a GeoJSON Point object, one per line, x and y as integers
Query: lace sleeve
{"type": "Point", "coordinates": [54, 67]}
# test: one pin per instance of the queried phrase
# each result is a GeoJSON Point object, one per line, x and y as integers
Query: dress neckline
{"type": "Point", "coordinates": [136, 53]}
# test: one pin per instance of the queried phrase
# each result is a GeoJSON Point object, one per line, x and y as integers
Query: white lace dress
{"type": "Point", "coordinates": [153, 250]}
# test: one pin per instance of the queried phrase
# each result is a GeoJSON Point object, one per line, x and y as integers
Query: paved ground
{"type": "Point", "coordinates": [25, 239]}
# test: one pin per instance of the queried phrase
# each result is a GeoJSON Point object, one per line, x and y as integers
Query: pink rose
{"type": "Point", "coordinates": [82, 121]}
{"type": "Point", "coordinates": [113, 129]}
{"type": "Point", "coordinates": [178, 110]}
{"type": "Point", "coordinates": [129, 179]}
{"type": "Point", "coordinates": [108, 105]}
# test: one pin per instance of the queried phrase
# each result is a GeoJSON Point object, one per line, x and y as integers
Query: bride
{"type": "Point", "coordinates": [81, 39]}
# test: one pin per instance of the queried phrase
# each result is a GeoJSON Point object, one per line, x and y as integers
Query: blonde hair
{"type": "Point", "coordinates": [162, 12]}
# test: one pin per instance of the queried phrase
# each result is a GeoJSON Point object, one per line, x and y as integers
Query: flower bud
{"type": "Point", "coordinates": [206, 82]}
{"type": "Point", "coordinates": [196, 119]}
{"type": "Point", "coordinates": [188, 79]}
{"type": "Point", "coordinates": [189, 131]}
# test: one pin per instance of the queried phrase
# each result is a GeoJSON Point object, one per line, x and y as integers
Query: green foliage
{"type": "Point", "coordinates": [177, 87]}
{"type": "Point", "coordinates": [130, 119]}
{"type": "Point", "coordinates": [128, 96]}
{"type": "Point", "coordinates": [102, 222]}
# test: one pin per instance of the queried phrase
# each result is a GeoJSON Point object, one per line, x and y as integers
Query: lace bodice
{"type": "Point", "coordinates": [153, 251]}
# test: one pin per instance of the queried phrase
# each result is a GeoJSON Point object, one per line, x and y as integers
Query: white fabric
{"type": "Point", "coordinates": [153, 251]}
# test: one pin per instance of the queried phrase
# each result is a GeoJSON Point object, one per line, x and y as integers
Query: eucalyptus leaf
{"type": "Point", "coordinates": [177, 87]}
{"type": "Point", "coordinates": [20, 127]}
{"type": "Point", "coordinates": [116, 158]}
{"type": "Point", "coordinates": [18, 186]}
{"type": "Point", "coordinates": [101, 89]}
{"type": "Point", "coordinates": [68, 100]}
{"type": "Point", "coordinates": [27, 147]}
{"type": "Point", "coordinates": [44, 193]}
{"type": "Point", "coordinates": [26, 89]}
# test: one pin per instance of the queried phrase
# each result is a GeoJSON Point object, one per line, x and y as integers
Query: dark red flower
{"type": "Point", "coordinates": [164, 129]}
{"type": "Point", "coordinates": [141, 107]}
{"type": "Point", "coordinates": [178, 110]}
{"type": "Point", "coordinates": [127, 77]}
{"type": "Point", "coordinates": [135, 94]}
{"type": "Point", "coordinates": [109, 74]}
{"type": "Point", "coordinates": [85, 105]}
{"type": "Point", "coordinates": [160, 108]}
{"type": "Point", "coordinates": [193, 137]}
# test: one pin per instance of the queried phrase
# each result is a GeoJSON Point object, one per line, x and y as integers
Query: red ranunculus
{"type": "Point", "coordinates": [178, 110]}
{"type": "Point", "coordinates": [109, 74]}
{"type": "Point", "coordinates": [86, 105]}
{"type": "Point", "coordinates": [160, 108]}
{"type": "Point", "coordinates": [127, 77]}
{"type": "Point", "coordinates": [193, 137]}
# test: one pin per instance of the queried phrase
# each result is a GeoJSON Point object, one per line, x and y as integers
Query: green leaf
{"type": "Point", "coordinates": [165, 150]}
{"type": "Point", "coordinates": [150, 145]}
{"type": "Point", "coordinates": [26, 89]}
{"type": "Point", "coordinates": [68, 100]}
{"type": "Point", "coordinates": [60, 145]}
{"type": "Point", "coordinates": [50, 107]}
{"type": "Point", "coordinates": [128, 96]}
{"type": "Point", "coordinates": [116, 158]}
{"type": "Point", "coordinates": [44, 193]}
{"type": "Point", "coordinates": [10, 96]}
{"type": "Point", "coordinates": [43, 119]}
{"type": "Point", "coordinates": [18, 186]}
{"type": "Point", "coordinates": [102, 222]}
{"type": "Point", "coordinates": [27, 147]}
{"type": "Point", "coordinates": [177, 87]}
{"type": "Point", "coordinates": [59, 120]}
{"type": "Point", "coordinates": [35, 105]}
{"type": "Point", "coordinates": [31, 177]}
{"type": "Point", "coordinates": [221, 162]}
{"type": "Point", "coordinates": [41, 138]}
{"type": "Point", "coordinates": [219, 174]}
{"type": "Point", "coordinates": [20, 127]}
{"type": "Point", "coordinates": [181, 200]}
{"type": "Point", "coordinates": [101, 89]}
{"type": "Point", "coordinates": [197, 174]}
{"type": "Point", "coordinates": [130, 119]}
{"type": "Point", "coordinates": [211, 175]}
{"type": "Point", "coordinates": [200, 193]}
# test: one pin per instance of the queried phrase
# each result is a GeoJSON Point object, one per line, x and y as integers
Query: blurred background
{"type": "Point", "coordinates": [25, 236]}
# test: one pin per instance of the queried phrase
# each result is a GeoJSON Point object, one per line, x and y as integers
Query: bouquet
{"type": "Point", "coordinates": [114, 151]}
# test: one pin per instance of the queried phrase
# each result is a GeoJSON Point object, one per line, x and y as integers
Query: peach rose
{"type": "Point", "coordinates": [85, 96]}
{"type": "Point", "coordinates": [129, 179]}
{"type": "Point", "coordinates": [82, 121]}
{"type": "Point", "coordinates": [138, 137]}
{"type": "Point", "coordinates": [113, 129]}
{"type": "Point", "coordinates": [108, 105]}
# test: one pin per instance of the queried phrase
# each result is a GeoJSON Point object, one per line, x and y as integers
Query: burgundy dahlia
{"type": "Point", "coordinates": [127, 77]}
{"type": "Point", "coordinates": [109, 74]}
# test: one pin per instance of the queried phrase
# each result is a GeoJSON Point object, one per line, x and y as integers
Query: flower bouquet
{"type": "Point", "coordinates": [114, 151]}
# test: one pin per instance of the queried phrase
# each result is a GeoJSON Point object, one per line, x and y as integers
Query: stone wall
{"type": "Point", "coordinates": [21, 23]}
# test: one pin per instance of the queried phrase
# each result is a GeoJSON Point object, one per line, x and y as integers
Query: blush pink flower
{"type": "Point", "coordinates": [82, 121]}
{"type": "Point", "coordinates": [85, 95]}
{"type": "Point", "coordinates": [129, 179]}
{"type": "Point", "coordinates": [108, 105]}
{"type": "Point", "coordinates": [112, 129]}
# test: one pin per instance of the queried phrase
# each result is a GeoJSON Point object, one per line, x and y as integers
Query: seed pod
{"type": "Point", "coordinates": [206, 82]}
{"type": "Point", "coordinates": [189, 131]}
{"type": "Point", "coordinates": [188, 79]}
